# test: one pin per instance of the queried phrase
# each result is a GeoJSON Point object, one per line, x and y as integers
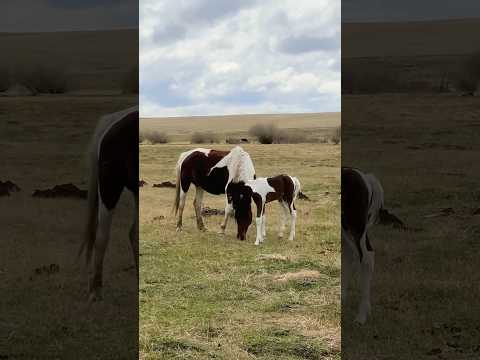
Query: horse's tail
{"type": "Point", "coordinates": [178, 170]}
{"type": "Point", "coordinates": [92, 210]}
{"type": "Point", "coordinates": [297, 187]}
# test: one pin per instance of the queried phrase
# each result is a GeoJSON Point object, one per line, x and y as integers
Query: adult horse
{"type": "Point", "coordinates": [113, 157]}
{"type": "Point", "coordinates": [211, 171]}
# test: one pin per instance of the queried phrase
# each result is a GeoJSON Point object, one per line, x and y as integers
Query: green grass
{"type": "Point", "coordinates": [209, 296]}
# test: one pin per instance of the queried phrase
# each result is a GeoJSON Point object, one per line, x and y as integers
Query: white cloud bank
{"type": "Point", "coordinates": [210, 57]}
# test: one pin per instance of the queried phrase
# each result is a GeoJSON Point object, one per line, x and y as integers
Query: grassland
{"type": "Point", "coordinates": [205, 295]}
{"type": "Point", "coordinates": [424, 149]}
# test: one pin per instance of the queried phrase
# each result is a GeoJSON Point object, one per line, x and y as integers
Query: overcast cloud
{"type": "Point", "coordinates": [206, 57]}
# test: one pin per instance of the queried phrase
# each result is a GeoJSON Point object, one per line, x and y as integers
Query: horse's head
{"type": "Point", "coordinates": [240, 196]}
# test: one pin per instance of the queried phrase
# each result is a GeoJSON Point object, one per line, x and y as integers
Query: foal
{"type": "Point", "coordinates": [362, 207]}
{"type": "Point", "coordinates": [283, 188]}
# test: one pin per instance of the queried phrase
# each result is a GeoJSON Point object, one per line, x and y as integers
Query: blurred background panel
{"type": "Point", "coordinates": [64, 65]}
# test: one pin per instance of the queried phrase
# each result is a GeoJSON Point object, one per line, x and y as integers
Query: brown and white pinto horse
{"type": "Point", "coordinates": [362, 206]}
{"type": "Point", "coordinates": [211, 171]}
{"type": "Point", "coordinates": [113, 157]}
{"type": "Point", "coordinates": [283, 188]}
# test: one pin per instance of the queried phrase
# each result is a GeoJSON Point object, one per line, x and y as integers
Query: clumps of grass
{"type": "Point", "coordinates": [283, 342]}
{"type": "Point", "coordinates": [130, 81]}
{"type": "Point", "coordinates": [153, 137]}
{"type": "Point", "coordinates": [204, 138]}
{"type": "Point", "coordinates": [172, 346]}
{"type": "Point", "coordinates": [271, 134]}
{"type": "Point", "coordinates": [469, 77]}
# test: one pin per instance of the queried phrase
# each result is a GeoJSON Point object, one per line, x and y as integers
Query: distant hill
{"type": "Point", "coordinates": [92, 60]}
{"type": "Point", "coordinates": [452, 37]}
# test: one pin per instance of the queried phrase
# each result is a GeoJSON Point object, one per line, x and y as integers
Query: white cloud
{"type": "Point", "coordinates": [218, 57]}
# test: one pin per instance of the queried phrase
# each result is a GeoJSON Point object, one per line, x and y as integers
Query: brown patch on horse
{"type": "Point", "coordinates": [195, 170]}
{"type": "Point", "coordinates": [284, 188]}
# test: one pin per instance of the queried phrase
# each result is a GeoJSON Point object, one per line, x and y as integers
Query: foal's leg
{"type": "Point", "coordinates": [197, 204]}
{"type": "Point", "coordinates": [264, 225]}
{"type": "Point", "coordinates": [348, 258]}
{"type": "Point", "coordinates": [283, 219]}
{"type": "Point", "coordinates": [181, 206]}
{"type": "Point", "coordinates": [293, 215]}
{"type": "Point", "coordinates": [258, 221]}
{"type": "Point", "coordinates": [101, 242]}
{"type": "Point", "coordinates": [134, 233]}
{"type": "Point", "coordinates": [228, 213]}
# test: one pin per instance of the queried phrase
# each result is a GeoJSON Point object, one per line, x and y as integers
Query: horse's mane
{"type": "Point", "coordinates": [239, 164]}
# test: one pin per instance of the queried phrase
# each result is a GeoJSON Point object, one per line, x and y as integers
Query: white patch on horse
{"type": "Point", "coordinates": [375, 192]}
{"type": "Point", "coordinates": [239, 165]}
{"type": "Point", "coordinates": [107, 122]}
{"type": "Point", "coordinates": [261, 187]}
{"type": "Point", "coordinates": [296, 186]}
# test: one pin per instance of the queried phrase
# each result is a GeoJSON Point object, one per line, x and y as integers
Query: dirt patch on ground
{"type": "Point", "coordinates": [64, 191]}
{"type": "Point", "coordinates": [165, 184]}
{"type": "Point", "coordinates": [277, 257]}
{"type": "Point", "coordinates": [302, 275]}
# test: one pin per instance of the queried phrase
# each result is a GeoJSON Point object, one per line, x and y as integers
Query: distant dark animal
{"type": "Point", "coordinates": [244, 140]}
{"type": "Point", "coordinates": [142, 183]}
{"type": "Point", "coordinates": [283, 188]}
{"type": "Point", "coordinates": [362, 207]}
{"type": "Point", "coordinates": [206, 211]}
{"type": "Point", "coordinates": [113, 157]}
{"type": "Point", "coordinates": [65, 190]}
{"type": "Point", "coordinates": [211, 171]}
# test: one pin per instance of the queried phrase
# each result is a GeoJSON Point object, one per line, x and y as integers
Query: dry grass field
{"type": "Point", "coordinates": [424, 149]}
{"type": "Point", "coordinates": [180, 129]}
{"type": "Point", "coordinates": [205, 295]}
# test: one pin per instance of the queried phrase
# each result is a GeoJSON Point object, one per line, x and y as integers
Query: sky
{"type": "Point", "coordinates": [67, 15]}
{"type": "Point", "coordinates": [216, 57]}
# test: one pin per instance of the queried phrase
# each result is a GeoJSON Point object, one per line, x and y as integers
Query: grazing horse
{"type": "Point", "coordinates": [113, 157]}
{"type": "Point", "coordinates": [211, 171]}
{"type": "Point", "coordinates": [362, 207]}
{"type": "Point", "coordinates": [283, 188]}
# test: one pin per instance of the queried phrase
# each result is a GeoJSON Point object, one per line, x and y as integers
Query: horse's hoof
{"type": "Point", "coordinates": [95, 296]}
{"type": "Point", "coordinates": [290, 238]}
{"type": "Point", "coordinates": [179, 228]}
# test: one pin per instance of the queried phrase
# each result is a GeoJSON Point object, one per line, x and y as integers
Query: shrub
{"type": "Point", "coordinates": [4, 80]}
{"type": "Point", "coordinates": [46, 79]}
{"type": "Point", "coordinates": [204, 138]}
{"type": "Point", "coordinates": [336, 136]}
{"type": "Point", "coordinates": [153, 137]}
{"type": "Point", "coordinates": [266, 134]}
{"type": "Point", "coordinates": [271, 134]}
